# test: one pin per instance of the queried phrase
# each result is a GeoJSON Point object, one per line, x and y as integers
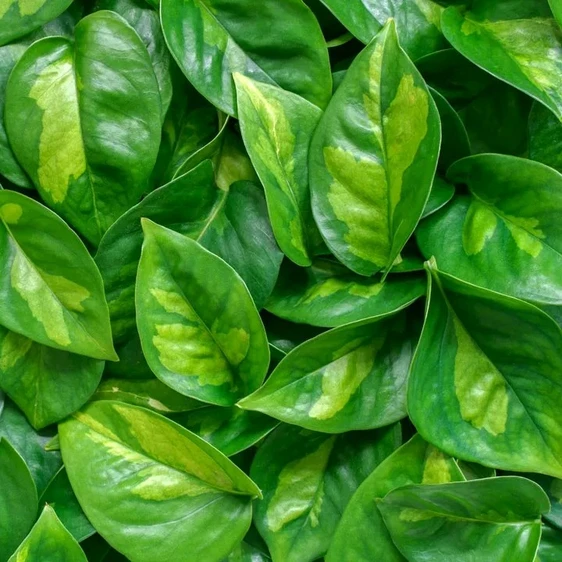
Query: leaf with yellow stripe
{"type": "Point", "coordinates": [51, 289]}
{"type": "Point", "coordinates": [486, 379]}
{"type": "Point", "coordinates": [92, 114]}
{"type": "Point", "coordinates": [307, 480]}
{"type": "Point", "coordinates": [350, 378]}
{"type": "Point", "coordinates": [199, 328]}
{"type": "Point", "coordinates": [361, 535]}
{"type": "Point", "coordinates": [373, 157]}
{"type": "Point", "coordinates": [277, 127]}
{"type": "Point", "coordinates": [153, 489]}
{"type": "Point", "coordinates": [21, 17]}
{"type": "Point", "coordinates": [49, 540]}
{"type": "Point", "coordinates": [46, 383]}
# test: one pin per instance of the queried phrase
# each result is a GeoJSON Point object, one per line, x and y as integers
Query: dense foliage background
{"type": "Point", "coordinates": [281, 280]}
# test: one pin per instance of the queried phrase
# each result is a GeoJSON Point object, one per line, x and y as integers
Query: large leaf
{"type": "Point", "coordinates": [20, 17]}
{"type": "Point", "coordinates": [327, 294]}
{"type": "Point", "coordinates": [18, 499]}
{"type": "Point", "coordinates": [518, 42]}
{"type": "Point", "coordinates": [485, 382]}
{"type": "Point", "coordinates": [199, 328]}
{"type": "Point", "coordinates": [149, 393]}
{"type": "Point", "coordinates": [50, 287]}
{"type": "Point", "coordinates": [307, 479]}
{"type": "Point", "coordinates": [490, 519]}
{"type": "Point", "coordinates": [550, 545]}
{"type": "Point", "coordinates": [505, 235]}
{"type": "Point", "coordinates": [274, 42]}
{"type": "Point", "coordinates": [230, 430]}
{"type": "Point", "coordinates": [277, 127]}
{"type": "Point", "coordinates": [92, 115]}
{"type": "Point", "coordinates": [553, 489]}
{"type": "Point", "coordinates": [361, 535]}
{"type": "Point", "coordinates": [49, 540]}
{"type": "Point", "coordinates": [373, 157]}
{"type": "Point", "coordinates": [417, 21]}
{"type": "Point", "coordinates": [31, 445]}
{"type": "Point", "coordinates": [153, 489]}
{"type": "Point", "coordinates": [233, 225]}
{"type": "Point", "coordinates": [60, 496]}
{"type": "Point", "coordinates": [353, 377]}
{"type": "Point", "coordinates": [146, 23]}
{"type": "Point", "coordinates": [9, 166]}
{"type": "Point", "coordinates": [46, 383]}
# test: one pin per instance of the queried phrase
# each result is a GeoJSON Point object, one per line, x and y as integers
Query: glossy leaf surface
{"type": "Point", "coordinates": [373, 157]}
{"type": "Point", "coordinates": [201, 337]}
{"type": "Point", "coordinates": [492, 395]}
{"type": "Point", "coordinates": [52, 290]}
{"type": "Point", "coordinates": [152, 488]}
{"type": "Point", "coordinates": [88, 147]}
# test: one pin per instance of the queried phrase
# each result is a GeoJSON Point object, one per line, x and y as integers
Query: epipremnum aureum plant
{"type": "Point", "coordinates": [281, 281]}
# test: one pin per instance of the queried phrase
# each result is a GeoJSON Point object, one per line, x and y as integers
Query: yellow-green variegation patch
{"type": "Point", "coordinates": [373, 157]}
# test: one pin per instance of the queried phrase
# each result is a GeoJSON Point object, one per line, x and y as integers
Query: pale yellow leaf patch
{"type": "Point", "coordinates": [413, 515]}
{"type": "Point", "coordinates": [14, 347]}
{"type": "Point", "coordinates": [431, 11]}
{"type": "Point", "coordinates": [331, 286]}
{"type": "Point", "coordinates": [372, 99]}
{"type": "Point", "coordinates": [526, 234]}
{"type": "Point", "coordinates": [479, 226]}
{"type": "Point", "coordinates": [480, 388]}
{"type": "Point", "coordinates": [299, 487]}
{"type": "Point", "coordinates": [69, 293]}
{"type": "Point", "coordinates": [11, 213]}
{"type": "Point", "coordinates": [61, 150]}
{"type": "Point", "coordinates": [436, 468]}
{"type": "Point", "coordinates": [30, 7]}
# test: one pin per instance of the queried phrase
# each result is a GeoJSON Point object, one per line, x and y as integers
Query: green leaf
{"type": "Point", "coordinates": [233, 225]}
{"type": "Point", "coordinates": [417, 21]}
{"type": "Point", "coordinates": [327, 294]}
{"type": "Point", "coordinates": [550, 545]}
{"type": "Point", "coordinates": [149, 393]}
{"type": "Point", "coordinates": [49, 540]}
{"type": "Point", "coordinates": [307, 480]}
{"type": "Point", "coordinates": [474, 471]}
{"type": "Point", "coordinates": [51, 289]}
{"type": "Point", "coordinates": [230, 430]}
{"type": "Point", "coordinates": [9, 166]}
{"type": "Point", "coordinates": [20, 17]}
{"type": "Point", "coordinates": [373, 157]}
{"type": "Point", "coordinates": [211, 39]}
{"type": "Point", "coordinates": [553, 489]}
{"type": "Point", "coordinates": [245, 552]}
{"type": "Point", "coordinates": [31, 445]}
{"type": "Point", "coordinates": [545, 137]}
{"type": "Point", "coordinates": [349, 378]}
{"type": "Point", "coordinates": [18, 499]}
{"type": "Point", "coordinates": [556, 7]}
{"type": "Point", "coordinates": [146, 23]}
{"type": "Point", "coordinates": [199, 328]}
{"type": "Point", "coordinates": [441, 193]}
{"type": "Point", "coordinates": [92, 115]}
{"type": "Point", "coordinates": [515, 41]}
{"type": "Point", "coordinates": [506, 234]}
{"type": "Point", "coordinates": [60, 496]}
{"type": "Point", "coordinates": [46, 383]}
{"type": "Point", "coordinates": [361, 535]}
{"type": "Point", "coordinates": [277, 127]}
{"type": "Point", "coordinates": [153, 489]}
{"type": "Point", "coordinates": [489, 391]}
{"type": "Point", "coordinates": [491, 519]}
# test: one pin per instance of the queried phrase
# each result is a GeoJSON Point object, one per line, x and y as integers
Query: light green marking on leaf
{"type": "Point", "coordinates": [94, 425]}
{"type": "Point", "coordinates": [479, 226]}
{"type": "Point", "coordinates": [61, 150]}
{"type": "Point", "coordinates": [431, 11]}
{"type": "Point", "coordinates": [413, 515]}
{"type": "Point", "coordinates": [298, 488]}
{"type": "Point", "coordinates": [235, 343]}
{"type": "Point", "coordinates": [531, 56]}
{"type": "Point", "coordinates": [372, 99]}
{"type": "Point", "coordinates": [11, 213]}
{"type": "Point", "coordinates": [5, 6]}
{"type": "Point", "coordinates": [14, 347]}
{"type": "Point", "coordinates": [480, 388]}
{"type": "Point", "coordinates": [405, 125]}
{"type": "Point", "coordinates": [43, 304]}
{"type": "Point", "coordinates": [30, 7]}
{"type": "Point", "coordinates": [343, 377]}
{"type": "Point", "coordinates": [469, 27]}
{"type": "Point", "coordinates": [314, 515]}
{"type": "Point", "coordinates": [526, 234]}
{"type": "Point", "coordinates": [436, 468]}
{"type": "Point", "coordinates": [189, 349]}
{"type": "Point", "coordinates": [70, 294]}
{"type": "Point", "coordinates": [213, 34]}
{"type": "Point", "coordinates": [331, 286]}
{"type": "Point", "coordinates": [358, 196]}
{"type": "Point", "coordinates": [23, 552]}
